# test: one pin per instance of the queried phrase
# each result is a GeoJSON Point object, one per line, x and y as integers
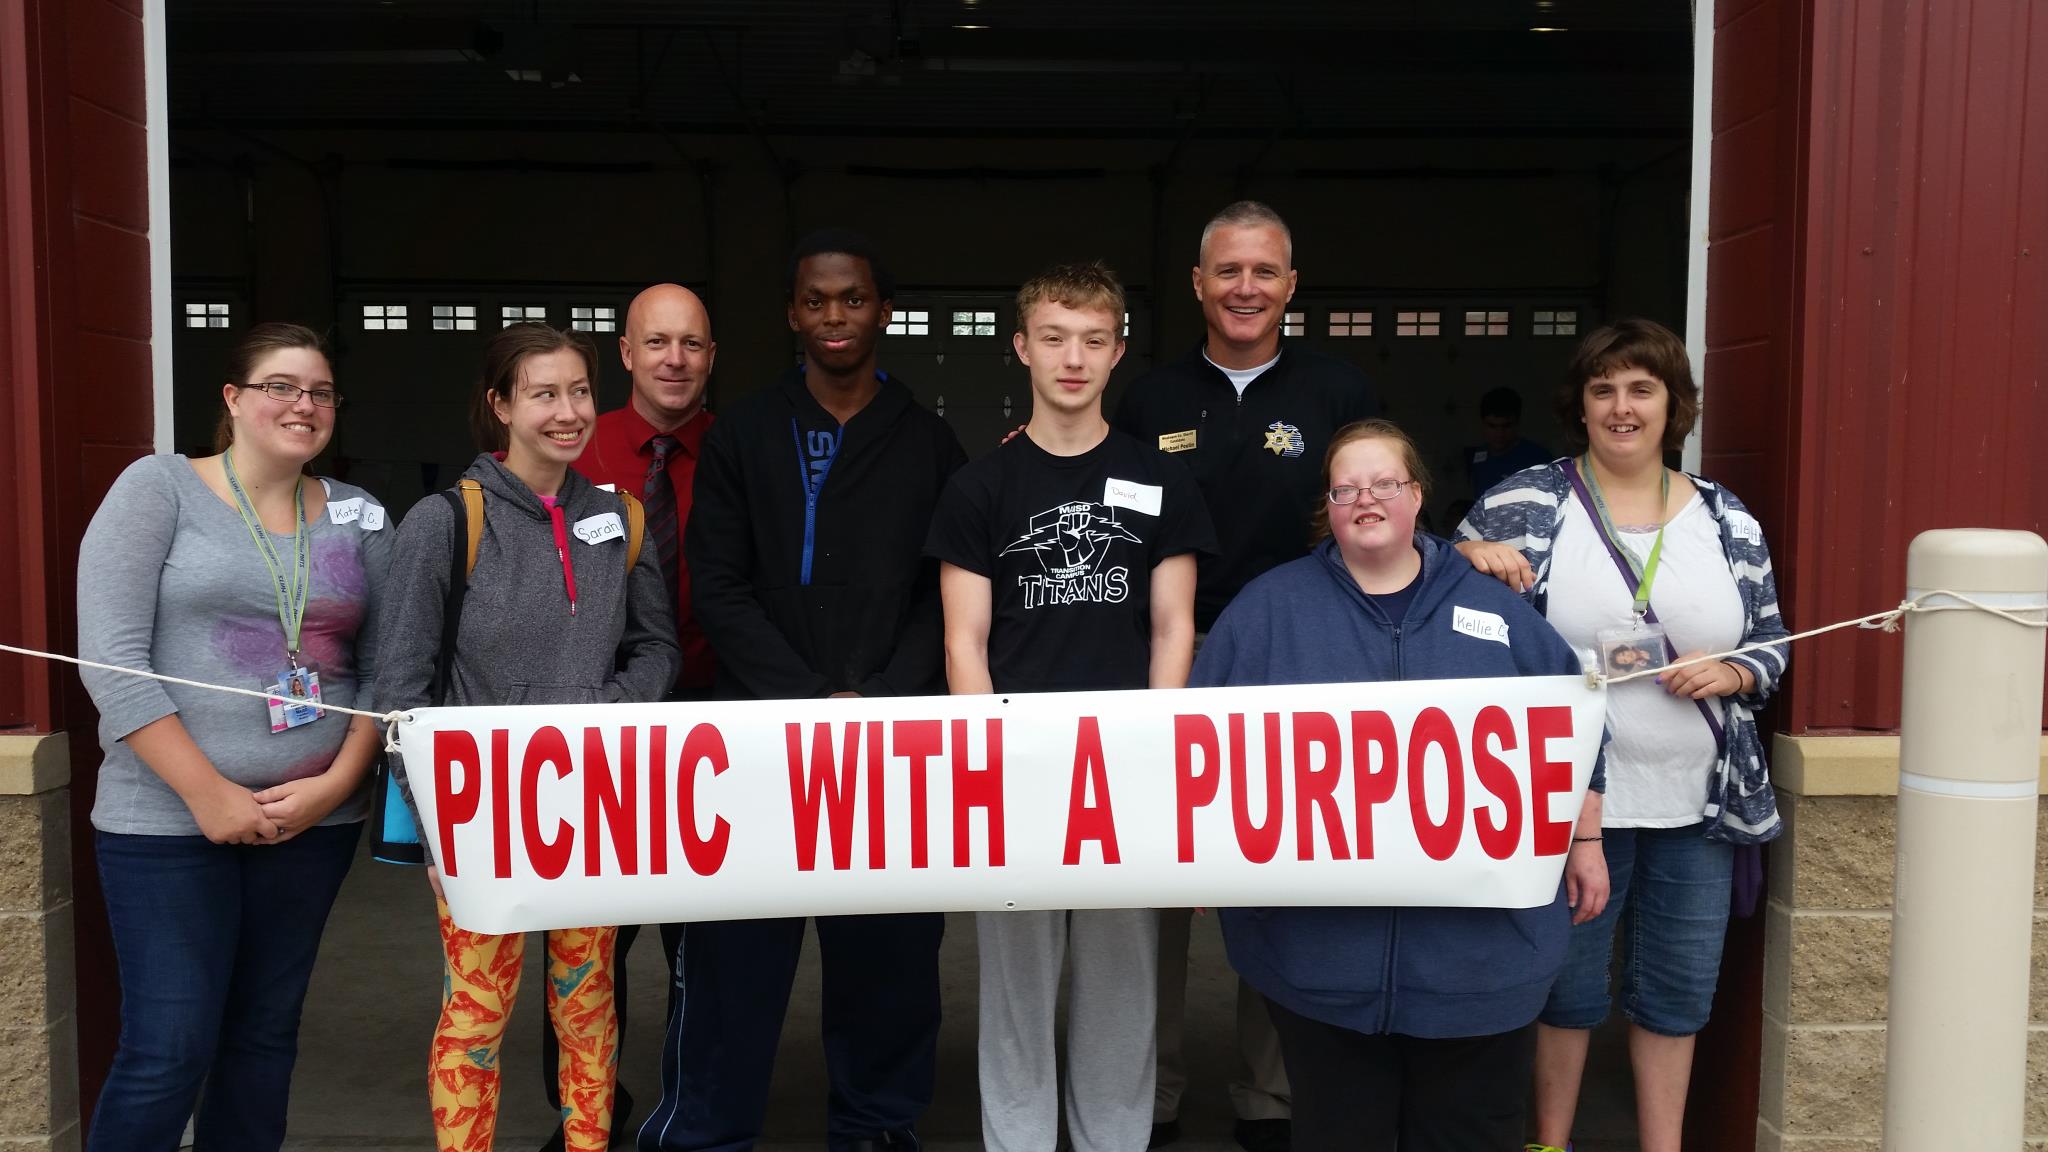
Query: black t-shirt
{"type": "Point", "coordinates": [1068, 544]}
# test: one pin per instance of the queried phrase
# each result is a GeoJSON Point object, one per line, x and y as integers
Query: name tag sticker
{"type": "Point", "coordinates": [345, 511]}
{"type": "Point", "coordinates": [1177, 441]}
{"type": "Point", "coordinates": [373, 517]}
{"type": "Point", "coordinates": [1133, 495]}
{"type": "Point", "coordinates": [598, 529]}
{"type": "Point", "coordinates": [1483, 625]}
{"type": "Point", "coordinates": [1745, 526]}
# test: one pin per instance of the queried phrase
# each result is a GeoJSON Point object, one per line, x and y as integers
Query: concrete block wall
{"type": "Point", "coordinates": [38, 1025]}
{"type": "Point", "coordinates": [1828, 950]}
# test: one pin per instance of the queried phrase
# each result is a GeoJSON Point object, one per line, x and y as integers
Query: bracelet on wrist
{"type": "Point", "coordinates": [1586, 839]}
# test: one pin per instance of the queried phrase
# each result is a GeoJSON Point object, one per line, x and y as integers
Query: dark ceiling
{"type": "Point", "coordinates": [1203, 68]}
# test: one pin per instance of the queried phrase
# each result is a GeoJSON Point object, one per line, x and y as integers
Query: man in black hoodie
{"type": "Point", "coordinates": [1251, 417]}
{"type": "Point", "coordinates": [813, 499]}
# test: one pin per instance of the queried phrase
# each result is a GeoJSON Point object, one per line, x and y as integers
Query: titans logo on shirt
{"type": "Point", "coordinates": [1284, 439]}
{"type": "Point", "coordinates": [1071, 543]}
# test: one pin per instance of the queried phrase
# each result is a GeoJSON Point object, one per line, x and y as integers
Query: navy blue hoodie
{"type": "Point", "coordinates": [1430, 972]}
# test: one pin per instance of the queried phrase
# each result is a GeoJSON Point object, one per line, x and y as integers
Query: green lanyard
{"type": "Point", "coordinates": [291, 596]}
{"type": "Point", "coordinates": [1646, 572]}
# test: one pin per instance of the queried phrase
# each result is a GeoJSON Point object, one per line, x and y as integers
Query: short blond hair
{"type": "Point", "coordinates": [1077, 286]}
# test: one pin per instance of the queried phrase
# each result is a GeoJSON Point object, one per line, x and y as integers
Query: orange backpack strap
{"type": "Point", "coordinates": [473, 503]}
{"type": "Point", "coordinates": [636, 527]}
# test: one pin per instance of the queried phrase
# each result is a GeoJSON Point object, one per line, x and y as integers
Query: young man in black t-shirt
{"type": "Point", "coordinates": [1067, 564]}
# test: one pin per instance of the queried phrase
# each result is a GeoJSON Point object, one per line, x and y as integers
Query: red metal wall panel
{"type": "Point", "coordinates": [105, 142]}
{"type": "Point", "coordinates": [76, 381]}
{"type": "Point", "coordinates": [1752, 264]}
{"type": "Point", "coordinates": [1925, 347]}
{"type": "Point", "coordinates": [1750, 414]}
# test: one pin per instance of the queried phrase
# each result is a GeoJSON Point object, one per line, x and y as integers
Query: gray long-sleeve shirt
{"type": "Point", "coordinates": [169, 581]}
{"type": "Point", "coordinates": [518, 641]}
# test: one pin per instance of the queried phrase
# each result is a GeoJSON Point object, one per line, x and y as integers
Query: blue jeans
{"type": "Point", "coordinates": [215, 944]}
{"type": "Point", "coordinates": [1670, 891]}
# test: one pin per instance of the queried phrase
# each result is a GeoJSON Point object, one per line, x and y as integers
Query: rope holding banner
{"type": "Point", "coordinates": [1887, 621]}
{"type": "Point", "coordinates": [390, 719]}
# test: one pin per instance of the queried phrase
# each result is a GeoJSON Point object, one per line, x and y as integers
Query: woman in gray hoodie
{"type": "Point", "coordinates": [550, 617]}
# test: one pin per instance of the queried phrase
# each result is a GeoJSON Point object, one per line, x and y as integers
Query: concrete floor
{"type": "Point", "coordinates": [360, 1085]}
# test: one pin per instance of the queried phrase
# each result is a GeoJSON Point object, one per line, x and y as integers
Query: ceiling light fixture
{"type": "Point", "coordinates": [971, 27]}
{"type": "Point", "coordinates": [1543, 29]}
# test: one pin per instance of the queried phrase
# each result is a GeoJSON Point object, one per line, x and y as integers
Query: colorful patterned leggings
{"type": "Point", "coordinates": [478, 986]}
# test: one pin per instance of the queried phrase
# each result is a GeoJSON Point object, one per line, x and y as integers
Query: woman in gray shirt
{"type": "Point", "coordinates": [225, 824]}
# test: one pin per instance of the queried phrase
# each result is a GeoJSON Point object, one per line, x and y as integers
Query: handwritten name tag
{"type": "Point", "coordinates": [598, 529]}
{"type": "Point", "coordinates": [1484, 625]}
{"type": "Point", "coordinates": [1133, 495]}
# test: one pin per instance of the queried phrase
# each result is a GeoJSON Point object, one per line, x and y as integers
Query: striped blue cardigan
{"type": "Point", "coordinates": [1524, 512]}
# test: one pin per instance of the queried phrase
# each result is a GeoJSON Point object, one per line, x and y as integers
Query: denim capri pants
{"type": "Point", "coordinates": [1669, 893]}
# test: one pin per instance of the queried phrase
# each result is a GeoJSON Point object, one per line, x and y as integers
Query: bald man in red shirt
{"type": "Point", "coordinates": [668, 349]}
{"type": "Point", "coordinates": [649, 448]}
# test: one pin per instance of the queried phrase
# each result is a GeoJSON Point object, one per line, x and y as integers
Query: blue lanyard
{"type": "Point", "coordinates": [813, 481]}
{"type": "Point", "coordinates": [291, 595]}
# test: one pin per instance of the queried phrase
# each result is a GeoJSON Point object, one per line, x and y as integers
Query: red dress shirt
{"type": "Point", "coordinates": [620, 453]}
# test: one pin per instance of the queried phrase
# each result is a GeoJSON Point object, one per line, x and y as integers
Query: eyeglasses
{"type": "Point", "coordinates": [285, 393]}
{"type": "Point", "coordinates": [1382, 490]}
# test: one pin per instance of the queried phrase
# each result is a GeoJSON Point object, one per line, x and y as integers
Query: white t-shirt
{"type": "Point", "coordinates": [1663, 753]}
{"type": "Point", "coordinates": [1241, 378]}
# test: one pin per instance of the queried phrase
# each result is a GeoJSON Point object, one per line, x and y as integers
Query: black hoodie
{"type": "Point", "coordinates": [804, 596]}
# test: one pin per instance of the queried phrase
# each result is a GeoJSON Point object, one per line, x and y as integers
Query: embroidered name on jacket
{"type": "Point", "coordinates": [1072, 544]}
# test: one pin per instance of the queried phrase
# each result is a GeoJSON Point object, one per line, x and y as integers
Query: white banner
{"type": "Point", "coordinates": [1443, 792]}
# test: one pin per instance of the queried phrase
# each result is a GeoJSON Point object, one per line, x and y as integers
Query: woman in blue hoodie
{"type": "Point", "coordinates": [1408, 1028]}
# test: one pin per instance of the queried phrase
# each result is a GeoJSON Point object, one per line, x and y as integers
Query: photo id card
{"type": "Point", "coordinates": [303, 683]}
{"type": "Point", "coordinates": [1633, 649]}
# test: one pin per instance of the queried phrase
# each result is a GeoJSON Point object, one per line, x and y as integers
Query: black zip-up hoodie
{"type": "Point", "coordinates": [1258, 457]}
{"type": "Point", "coordinates": [804, 595]}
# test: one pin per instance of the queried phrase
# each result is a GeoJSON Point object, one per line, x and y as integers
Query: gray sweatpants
{"type": "Point", "coordinates": [1111, 1042]}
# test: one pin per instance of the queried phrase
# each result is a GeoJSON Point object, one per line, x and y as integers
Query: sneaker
{"type": "Point", "coordinates": [1164, 1132]}
{"type": "Point", "coordinates": [1264, 1135]}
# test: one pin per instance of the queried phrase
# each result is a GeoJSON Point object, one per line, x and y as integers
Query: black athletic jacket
{"type": "Point", "coordinates": [867, 621]}
{"type": "Point", "coordinates": [1259, 459]}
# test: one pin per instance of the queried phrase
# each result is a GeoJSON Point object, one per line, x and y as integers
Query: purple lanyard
{"type": "Point", "coordinates": [1629, 578]}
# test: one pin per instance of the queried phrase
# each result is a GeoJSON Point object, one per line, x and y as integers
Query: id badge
{"type": "Point", "coordinates": [303, 683]}
{"type": "Point", "coordinates": [1636, 648]}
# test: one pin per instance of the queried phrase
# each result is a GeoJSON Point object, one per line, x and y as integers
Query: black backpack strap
{"type": "Point", "coordinates": [458, 587]}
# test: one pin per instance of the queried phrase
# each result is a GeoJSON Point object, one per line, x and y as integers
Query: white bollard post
{"type": "Point", "coordinates": [1962, 906]}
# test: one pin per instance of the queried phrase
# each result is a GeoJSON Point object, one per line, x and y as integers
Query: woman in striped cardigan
{"type": "Point", "coordinates": [1624, 556]}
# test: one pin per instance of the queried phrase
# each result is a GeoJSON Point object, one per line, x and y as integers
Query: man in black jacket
{"type": "Point", "coordinates": [813, 499]}
{"type": "Point", "coordinates": [1251, 417]}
